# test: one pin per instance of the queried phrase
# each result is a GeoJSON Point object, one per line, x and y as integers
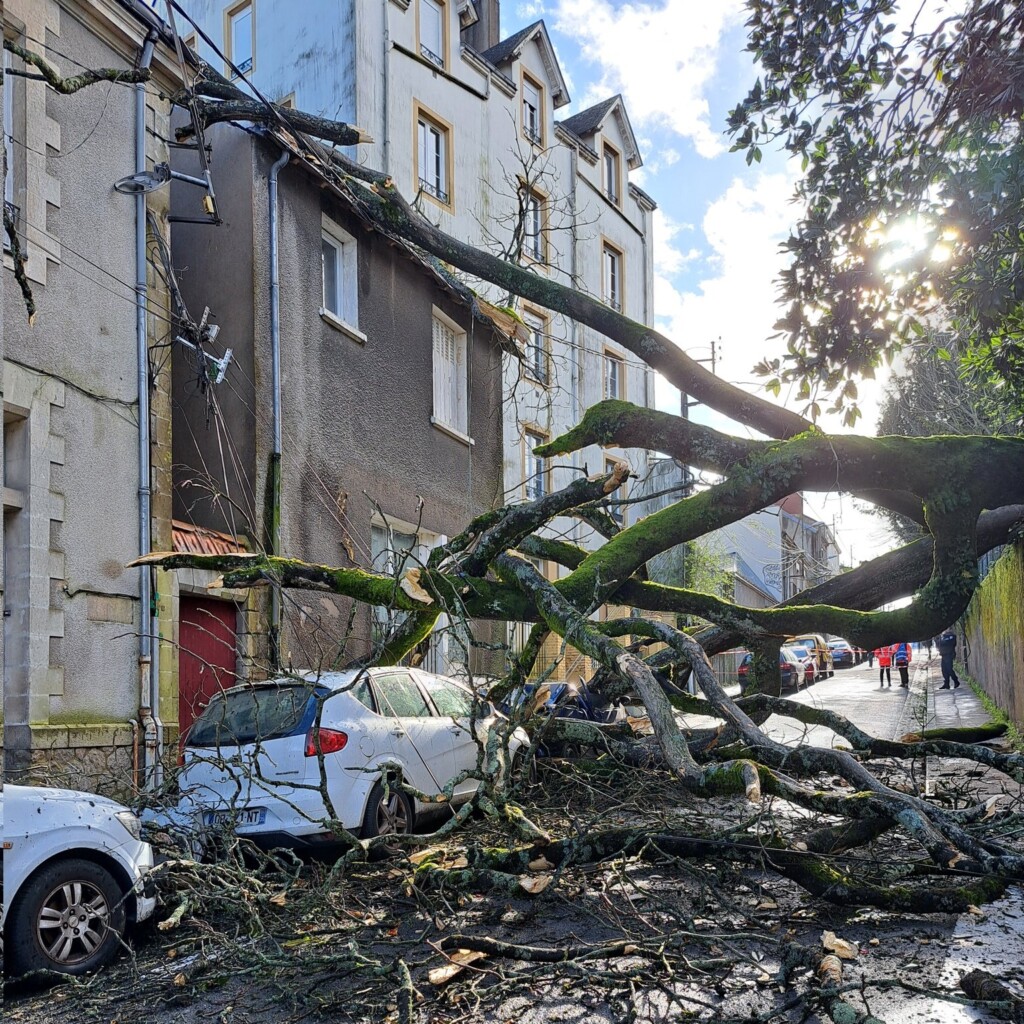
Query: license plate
{"type": "Point", "coordinates": [248, 816]}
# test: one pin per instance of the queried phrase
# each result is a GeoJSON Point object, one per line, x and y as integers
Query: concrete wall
{"type": "Point", "coordinates": [71, 676]}
{"type": "Point", "coordinates": [994, 630]}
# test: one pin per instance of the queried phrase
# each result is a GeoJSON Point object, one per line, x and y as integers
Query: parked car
{"type": "Point", "coordinates": [804, 657]}
{"type": "Point", "coordinates": [252, 757]}
{"type": "Point", "coordinates": [842, 653]}
{"type": "Point", "coordinates": [791, 670]}
{"type": "Point", "coordinates": [74, 878]}
{"type": "Point", "coordinates": [819, 649]}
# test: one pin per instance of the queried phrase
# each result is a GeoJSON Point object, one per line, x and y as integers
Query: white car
{"type": "Point", "coordinates": [74, 877]}
{"type": "Point", "coordinates": [252, 763]}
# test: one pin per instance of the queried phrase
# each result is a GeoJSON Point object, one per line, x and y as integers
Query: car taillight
{"type": "Point", "coordinates": [331, 741]}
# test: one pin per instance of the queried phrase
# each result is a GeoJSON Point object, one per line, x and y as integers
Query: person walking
{"type": "Point", "coordinates": [901, 658]}
{"type": "Point", "coordinates": [946, 644]}
{"type": "Point", "coordinates": [871, 658]}
{"type": "Point", "coordinates": [884, 656]}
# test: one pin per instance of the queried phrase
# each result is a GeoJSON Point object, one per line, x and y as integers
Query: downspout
{"type": "Point", "coordinates": [149, 696]}
{"type": "Point", "coordinates": [385, 67]}
{"type": "Point", "coordinates": [575, 332]}
{"type": "Point", "coordinates": [275, 371]}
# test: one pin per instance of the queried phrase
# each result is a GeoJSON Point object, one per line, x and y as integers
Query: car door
{"type": "Point", "coordinates": [421, 741]}
{"type": "Point", "coordinates": [454, 703]}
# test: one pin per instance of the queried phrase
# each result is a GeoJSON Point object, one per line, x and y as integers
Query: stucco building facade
{"type": "Point", "coordinates": [84, 487]}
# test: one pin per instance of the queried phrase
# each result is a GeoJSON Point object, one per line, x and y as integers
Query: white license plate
{"type": "Point", "coordinates": [248, 816]}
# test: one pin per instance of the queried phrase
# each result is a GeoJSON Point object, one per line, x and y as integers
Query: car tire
{"type": "Point", "coordinates": [68, 917]}
{"type": "Point", "coordinates": [387, 812]}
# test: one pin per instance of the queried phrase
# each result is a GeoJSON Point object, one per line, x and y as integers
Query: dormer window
{"type": "Point", "coordinates": [533, 110]}
{"type": "Point", "coordinates": [611, 162]}
{"type": "Point", "coordinates": [431, 27]}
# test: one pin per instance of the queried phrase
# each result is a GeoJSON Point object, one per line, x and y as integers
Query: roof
{"type": "Point", "coordinates": [509, 49]}
{"type": "Point", "coordinates": [318, 161]}
{"type": "Point", "coordinates": [198, 540]}
{"type": "Point", "coordinates": [589, 122]}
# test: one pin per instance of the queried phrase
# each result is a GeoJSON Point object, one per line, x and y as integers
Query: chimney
{"type": "Point", "coordinates": [486, 32]}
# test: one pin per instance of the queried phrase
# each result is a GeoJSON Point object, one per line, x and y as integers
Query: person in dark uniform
{"type": "Point", "coordinates": [947, 651]}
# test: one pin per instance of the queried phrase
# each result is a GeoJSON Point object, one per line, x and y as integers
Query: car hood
{"type": "Point", "coordinates": [41, 794]}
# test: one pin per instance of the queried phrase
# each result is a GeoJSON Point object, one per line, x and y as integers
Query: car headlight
{"type": "Point", "coordinates": [130, 822]}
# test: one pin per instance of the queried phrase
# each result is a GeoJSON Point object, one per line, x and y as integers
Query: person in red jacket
{"type": "Point", "coordinates": [901, 659]}
{"type": "Point", "coordinates": [884, 656]}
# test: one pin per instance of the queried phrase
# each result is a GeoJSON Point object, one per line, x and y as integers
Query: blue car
{"type": "Point", "coordinates": [842, 653]}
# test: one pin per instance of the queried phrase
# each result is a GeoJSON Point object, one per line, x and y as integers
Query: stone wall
{"type": "Point", "coordinates": [994, 631]}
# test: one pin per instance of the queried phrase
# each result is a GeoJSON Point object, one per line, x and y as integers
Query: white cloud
{"type": "Point", "coordinates": [735, 300]}
{"type": "Point", "coordinates": [660, 57]}
{"type": "Point", "coordinates": [669, 257]}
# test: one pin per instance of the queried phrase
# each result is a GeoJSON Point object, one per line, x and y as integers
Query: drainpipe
{"type": "Point", "coordinates": [384, 69]}
{"type": "Point", "coordinates": [149, 700]}
{"type": "Point", "coordinates": [275, 362]}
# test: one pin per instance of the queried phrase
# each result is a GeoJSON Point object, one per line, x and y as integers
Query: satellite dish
{"type": "Point", "coordinates": [144, 181]}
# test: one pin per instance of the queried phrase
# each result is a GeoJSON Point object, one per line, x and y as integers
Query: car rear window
{"type": "Point", "coordinates": [245, 716]}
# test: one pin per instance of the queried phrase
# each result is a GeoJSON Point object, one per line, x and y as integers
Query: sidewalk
{"type": "Point", "coordinates": [884, 712]}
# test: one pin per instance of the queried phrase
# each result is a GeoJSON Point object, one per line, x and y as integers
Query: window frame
{"type": "Point", "coordinates": [442, 59]}
{"type": "Point", "coordinates": [535, 468]}
{"type": "Point", "coordinates": [609, 249]}
{"type": "Point", "coordinates": [613, 195]}
{"type": "Point", "coordinates": [537, 368]}
{"type": "Point", "coordinates": [230, 13]}
{"type": "Point", "coordinates": [443, 196]}
{"type": "Point", "coordinates": [537, 253]}
{"type": "Point", "coordinates": [346, 282]}
{"type": "Point", "coordinates": [534, 137]}
{"type": "Point", "coordinates": [460, 431]}
{"type": "Point", "coordinates": [613, 358]}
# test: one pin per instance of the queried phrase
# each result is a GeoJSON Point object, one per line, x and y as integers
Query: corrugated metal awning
{"type": "Point", "coordinates": [198, 540]}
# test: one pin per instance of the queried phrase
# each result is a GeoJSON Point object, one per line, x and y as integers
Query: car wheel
{"type": "Point", "coordinates": [388, 813]}
{"type": "Point", "coordinates": [69, 917]}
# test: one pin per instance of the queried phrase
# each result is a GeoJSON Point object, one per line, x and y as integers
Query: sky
{"type": "Point", "coordinates": [681, 66]}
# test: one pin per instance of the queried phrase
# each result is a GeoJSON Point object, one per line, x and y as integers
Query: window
{"type": "Point", "coordinates": [191, 41]}
{"type": "Point", "coordinates": [533, 227]}
{"type": "Point", "coordinates": [536, 472]}
{"type": "Point", "coordinates": [399, 696]}
{"type": "Point", "coordinates": [451, 700]}
{"type": "Point", "coordinates": [450, 377]}
{"type": "Point", "coordinates": [611, 259]}
{"type": "Point", "coordinates": [612, 164]}
{"type": "Point", "coordinates": [340, 258]}
{"type": "Point", "coordinates": [533, 111]}
{"type": "Point", "coordinates": [392, 551]}
{"type": "Point", "coordinates": [433, 158]}
{"type": "Point", "coordinates": [431, 27]}
{"type": "Point", "coordinates": [615, 510]}
{"type": "Point", "coordinates": [614, 376]}
{"type": "Point", "coordinates": [240, 38]}
{"type": "Point", "coordinates": [536, 347]}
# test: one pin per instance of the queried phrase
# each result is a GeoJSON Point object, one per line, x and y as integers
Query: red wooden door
{"type": "Point", "coordinates": [206, 660]}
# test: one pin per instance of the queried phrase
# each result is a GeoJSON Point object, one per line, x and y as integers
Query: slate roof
{"type": "Point", "coordinates": [587, 122]}
{"type": "Point", "coordinates": [506, 49]}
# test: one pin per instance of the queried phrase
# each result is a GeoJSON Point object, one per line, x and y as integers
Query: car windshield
{"type": "Point", "coordinates": [250, 714]}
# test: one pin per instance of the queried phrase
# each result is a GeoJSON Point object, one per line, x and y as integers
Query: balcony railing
{"type": "Point", "coordinates": [428, 54]}
{"type": "Point", "coordinates": [434, 190]}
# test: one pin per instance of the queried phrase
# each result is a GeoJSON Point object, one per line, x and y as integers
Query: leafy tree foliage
{"type": "Point", "coordinates": [910, 138]}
